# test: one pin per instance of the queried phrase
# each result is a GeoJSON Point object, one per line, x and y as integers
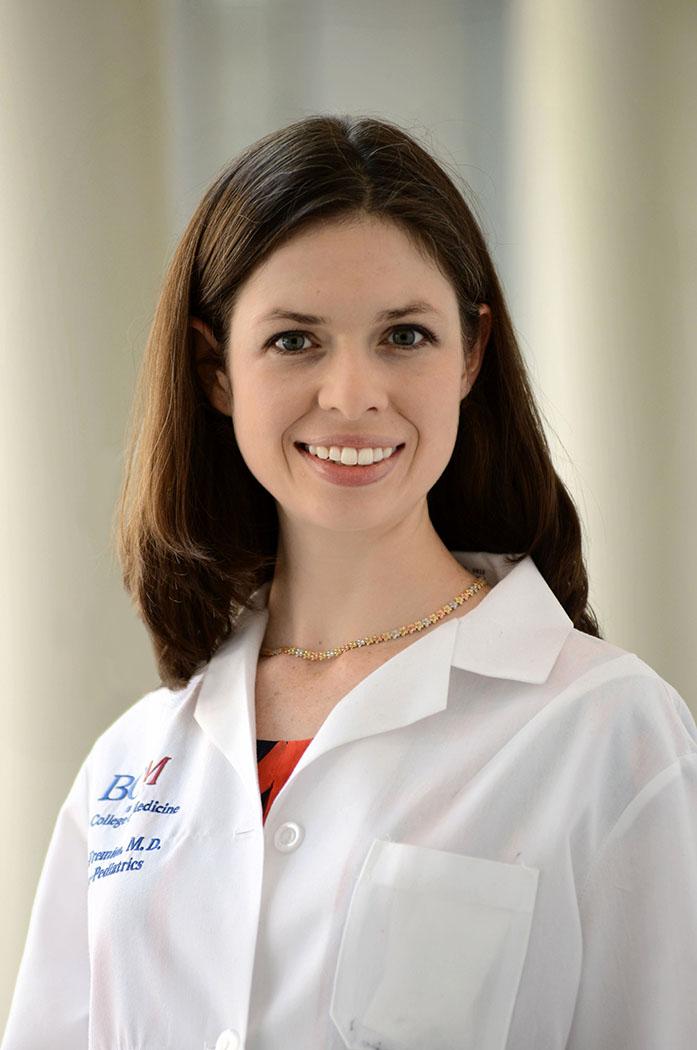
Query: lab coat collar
{"type": "Point", "coordinates": [516, 632]}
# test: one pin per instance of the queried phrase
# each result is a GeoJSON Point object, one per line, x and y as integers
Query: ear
{"type": "Point", "coordinates": [475, 357]}
{"type": "Point", "coordinates": [210, 366]}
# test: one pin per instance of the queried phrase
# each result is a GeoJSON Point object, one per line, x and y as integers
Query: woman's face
{"type": "Point", "coordinates": [351, 372]}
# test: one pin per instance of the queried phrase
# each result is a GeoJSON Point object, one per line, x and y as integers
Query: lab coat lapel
{"type": "Point", "coordinates": [411, 685]}
{"type": "Point", "coordinates": [517, 633]}
{"type": "Point", "coordinates": [225, 704]}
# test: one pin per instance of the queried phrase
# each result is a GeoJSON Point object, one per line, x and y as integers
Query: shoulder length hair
{"type": "Point", "coordinates": [196, 533]}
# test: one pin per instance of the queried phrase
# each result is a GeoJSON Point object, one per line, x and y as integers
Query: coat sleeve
{"type": "Point", "coordinates": [50, 1005]}
{"type": "Point", "coordinates": [638, 912]}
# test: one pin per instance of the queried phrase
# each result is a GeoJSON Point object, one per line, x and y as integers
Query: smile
{"type": "Point", "coordinates": [351, 476]}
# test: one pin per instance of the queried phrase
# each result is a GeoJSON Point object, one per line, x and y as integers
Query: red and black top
{"type": "Point", "coordinates": [276, 760]}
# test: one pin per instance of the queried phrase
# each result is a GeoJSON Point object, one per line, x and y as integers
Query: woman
{"type": "Point", "coordinates": [471, 821]}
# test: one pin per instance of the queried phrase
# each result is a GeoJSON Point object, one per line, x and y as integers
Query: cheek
{"type": "Point", "coordinates": [436, 413]}
{"type": "Point", "coordinates": [262, 428]}
{"type": "Point", "coordinates": [436, 425]}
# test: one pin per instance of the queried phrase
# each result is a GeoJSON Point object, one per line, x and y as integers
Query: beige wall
{"type": "Point", "coordinates": [571, 123]}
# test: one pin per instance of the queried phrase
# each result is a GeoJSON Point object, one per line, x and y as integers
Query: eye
{"type": "Point", "coordinates": [287, 335]}
{"type": "Point", "coordinates": [427, 336]}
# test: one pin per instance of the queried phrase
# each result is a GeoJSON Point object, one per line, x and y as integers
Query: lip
{"type": "Point", "coordinates": [354, 476]}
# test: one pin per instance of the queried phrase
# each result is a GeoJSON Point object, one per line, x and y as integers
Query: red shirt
{"type": "Point", "coordinates": [276, 760]}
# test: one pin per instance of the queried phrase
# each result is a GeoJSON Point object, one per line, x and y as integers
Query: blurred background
{"type": "Point", "coordinates": [573, 122]}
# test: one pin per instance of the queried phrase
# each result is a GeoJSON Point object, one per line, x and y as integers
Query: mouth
{"type": "Point", "coordinates": [351, 475]}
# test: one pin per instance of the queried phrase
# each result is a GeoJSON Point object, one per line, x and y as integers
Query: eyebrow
{"type": "Point", "coordinates": [281, 314]}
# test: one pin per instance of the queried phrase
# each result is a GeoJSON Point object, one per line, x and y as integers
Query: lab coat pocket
{"type": "Point", "coordinates": [432, 950]}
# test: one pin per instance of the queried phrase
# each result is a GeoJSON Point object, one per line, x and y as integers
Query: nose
{"type": "Point", "coordinates": [353, 382]}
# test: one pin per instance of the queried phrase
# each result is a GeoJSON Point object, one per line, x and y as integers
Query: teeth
{"type": "Point", "coordinates": [350, 456]}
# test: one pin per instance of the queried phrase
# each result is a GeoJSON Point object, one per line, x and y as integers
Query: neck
{"type": "Point", "coordinates": [354, 587]}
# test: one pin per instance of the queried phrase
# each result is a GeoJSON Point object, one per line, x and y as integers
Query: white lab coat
{"type": "Point", "coordinates": [491, 842]}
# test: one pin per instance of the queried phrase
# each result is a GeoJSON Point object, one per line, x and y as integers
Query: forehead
{"type": "Point", "coordinates": [370, 264]}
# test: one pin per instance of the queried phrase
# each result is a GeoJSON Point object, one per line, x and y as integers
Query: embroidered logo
{"type": "Point", "coordinates": [123, 785]}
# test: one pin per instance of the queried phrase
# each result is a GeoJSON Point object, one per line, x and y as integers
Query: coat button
{"type": "Point", "coordinates": [288, 836]}
{"type": "Point", "coordinates": [228, 1040]}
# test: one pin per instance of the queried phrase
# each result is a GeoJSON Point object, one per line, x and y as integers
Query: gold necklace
{"type": "Point", "coordinates": [386, 636]}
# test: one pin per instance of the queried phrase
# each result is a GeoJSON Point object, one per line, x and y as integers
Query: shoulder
{"type": "Point", "coordinates": [621, 701]}
{"type": "Point", "coordinates": [124, 747]}
{"type": "Point", "coordinates": [153, 716]}
{"type": "Point", "coordinates": [590, 662]}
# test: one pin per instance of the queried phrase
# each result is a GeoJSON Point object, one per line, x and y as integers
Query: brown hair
{"type": "Point", "coordinates": [196, 532]}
